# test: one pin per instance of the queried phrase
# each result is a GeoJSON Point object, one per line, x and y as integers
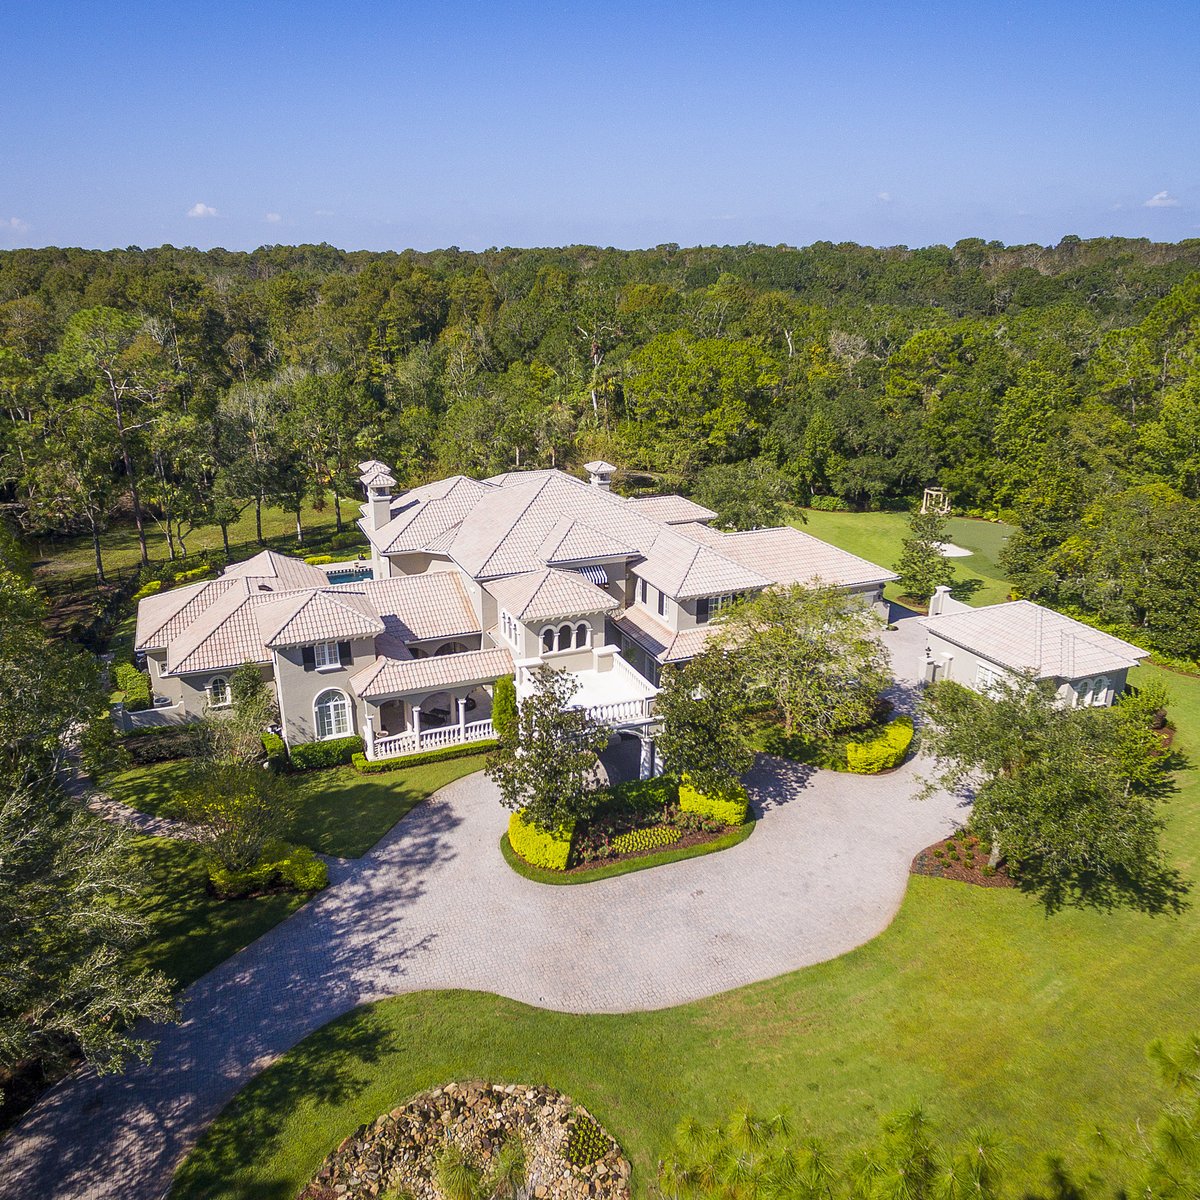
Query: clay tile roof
{"type": "Point", "coordinates": [549, 594]}
{"type": "Point", "coordinates": [223, 636]}
{"type": "Point", "coordinates": [599, 467]}
{"type": "Point", "coordinates": [573, 541]}
{"type": "Point", "coordinates": [662, 643]}
{"type": "Point", "coordinates": [423, 514]}
{"type": "Point", "coordinates": [376, 479]}
{"type": "Point", "coordinates": [371, 465]}
{"type": "Point", "coordinates": [324, 615]}
{"type": "Point", "coordinates": [786, 555]}
{"type": "Point", "coordinates": [164, 616]}
{"type": "Point", "coordinates": [685, 569]}
{"type": "Point", "coordinates": [277, 572]}
{"type": "Point", "coordinates": [393, 677]}
{"type": "Point", "coordinates": [670, 510]}
{"type": "Point", "coordinates": [1025, 636]}
{"type": "Point", "coordinates": [417, 608]}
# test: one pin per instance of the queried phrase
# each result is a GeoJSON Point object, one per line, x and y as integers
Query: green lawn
{"type": "Point", "coordinates": [337, 812]}
{"type": "Point", "coordinates": [973, 1001]}
{"type": "Point", "coordinates": [189, 931]}
{"type": "Point", "coordinates": [877, 536]}
{"type": "Point", "coordinates": [55, 558]}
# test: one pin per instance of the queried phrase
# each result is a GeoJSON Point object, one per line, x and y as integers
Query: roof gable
{"type": "Point", "coordinates": [573, 541]}
{"type": "Point", "coordinates": [549, 594]}
{"type": "Point", "coordinates": [320, 616]}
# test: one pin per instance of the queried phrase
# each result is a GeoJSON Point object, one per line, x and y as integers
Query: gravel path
{"type": "Point", "coordinates": [435, 906]}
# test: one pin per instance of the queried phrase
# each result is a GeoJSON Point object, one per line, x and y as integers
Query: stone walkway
{"type": "Point", "coordinates": [435, 906]}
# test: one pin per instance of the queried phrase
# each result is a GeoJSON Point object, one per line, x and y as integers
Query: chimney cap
{"type": "Point", "coordinates": [599, 467]}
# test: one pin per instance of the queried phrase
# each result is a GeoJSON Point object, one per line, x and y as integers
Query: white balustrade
{"type": "Point", "coordinates": [412, 742]}
{"type": "Point", "coordinates": [618, 711]}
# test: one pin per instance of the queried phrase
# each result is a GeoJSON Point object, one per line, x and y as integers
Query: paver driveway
{"type": "Point", "coordinates": [435, 906]}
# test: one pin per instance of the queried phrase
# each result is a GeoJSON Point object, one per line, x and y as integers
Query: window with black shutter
{"type": "Point", "coordinates": [702, 610]}
{"type": "Point", "coordinates": [344, 653]}
{"type": "Point", "coordinates": [309, 655]}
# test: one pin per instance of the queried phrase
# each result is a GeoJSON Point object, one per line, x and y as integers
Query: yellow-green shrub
{"type": "Point", "coordinates": [540, 847]}
{"type": "Point", "coordinates": [148, 589]}
{"type": "Point", "coordinates": [731, 808]}
{"type": "Point", "coordinates": [883, 752]}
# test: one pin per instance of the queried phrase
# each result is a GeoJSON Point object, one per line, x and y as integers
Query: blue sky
{"type": "Point", "coordinates": [389, 125]}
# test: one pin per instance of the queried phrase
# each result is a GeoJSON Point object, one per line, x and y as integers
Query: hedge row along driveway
{"type": "Point", "coordinates": [435, 906]}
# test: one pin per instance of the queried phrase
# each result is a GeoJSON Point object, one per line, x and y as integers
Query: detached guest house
{"type": "Point", "coordinates": [471, 580]}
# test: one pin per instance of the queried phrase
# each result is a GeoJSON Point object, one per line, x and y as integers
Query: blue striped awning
{"type": "Point", "coordinates": [596, 575]}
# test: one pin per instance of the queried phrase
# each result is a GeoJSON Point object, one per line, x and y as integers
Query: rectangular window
{"type": "Point", "coordinates": [986, 678]}
{"type": "Point", "coordinates": [325, 655]}
{"type": "Point", "coordinates": [644, 592]}
{"type": "Point", "coordinates": [662, 604]}
{"type": "Point", "coordinates": [703, 606]}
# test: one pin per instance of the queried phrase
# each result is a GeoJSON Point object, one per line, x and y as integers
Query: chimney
{"type": "Point", "coordinates": [380, 487]}
{"type": "Point", "coordinates": [600, 474]}
{"type": "Point", "coordinates": [938, 600]}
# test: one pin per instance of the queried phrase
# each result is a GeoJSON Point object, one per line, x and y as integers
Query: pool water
{"type": "Point", "coordinates": [349, 576]}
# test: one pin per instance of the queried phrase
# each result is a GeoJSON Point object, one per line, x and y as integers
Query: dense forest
{"type": "Point", "coordinates": [1057, 387]}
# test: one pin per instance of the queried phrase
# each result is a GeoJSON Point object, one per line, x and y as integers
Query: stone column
{"type": "Point", "coordinates": [646, 760]}
{"type": "Point", "coordinates": [416, 723]}
{"type": "Point", "coordinates": [462, 718]}
{"type": "Point", "coordinates": [369, 736]}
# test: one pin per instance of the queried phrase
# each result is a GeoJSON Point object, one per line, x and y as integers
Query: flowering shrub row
{"type": "Point", "coordinates": [645, 839]}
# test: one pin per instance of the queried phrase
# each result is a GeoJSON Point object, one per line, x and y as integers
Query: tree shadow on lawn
{"type": "Point", "coordinates": [349, 945]}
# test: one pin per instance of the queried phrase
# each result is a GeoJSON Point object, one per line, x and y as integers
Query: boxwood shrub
{"type": "Point", "coordinates": [159, 743]}
{"type": "Point", "coordinates": [367, 767]}
{"type": "Point", "coordinates": [282, 865]}
{"type": "Point", "coordinates": [148, 589]}
{"type": "Point", "coordinates": [882, 752]}
{"type": "Point", "coordinates": [336, 752]}
{"type": "Point", "coordinates": [277, 751]}
{"type": "Point", "coordinates": [318, 560]}
{"type": "Point", "coordinates": [539, 847]}
{"type": "Point", "coordinates": [730, 809]}
{"type": "Point", "coordinates": [646, 795]}
{"type": "Point", "coordinates": [135, 684]}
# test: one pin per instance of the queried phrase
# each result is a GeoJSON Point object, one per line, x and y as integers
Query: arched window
{"type": "Point", "coordinates": [417, 652]}
{"type": "Point", "coordinates": [564, 637]}
{"type": "Point", "coordinates": [332, 712]}
{"type": "Point", "coordinates": [547, 640]}
{"type": "Point", "coordinates": [1100, 691]}
{"type": "Point", "coordinates": [450, 648]}
{"type": "Point", "coordinates": [218, 692]}
{"type": "Point", "coordinates": [581, 634]}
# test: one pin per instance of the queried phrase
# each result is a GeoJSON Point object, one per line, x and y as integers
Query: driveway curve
{"type": "Point", "coordinates": [433, 905]}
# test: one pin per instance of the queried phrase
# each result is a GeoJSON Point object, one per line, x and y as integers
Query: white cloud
{"type": "Point", "coordinates": [15, 224]}
{"type": "Point", "coordinates": [274, 218]}
{"type": "Point", "coordinates": [1161, 200]}
{"type": "Point", "coordinates": [323, 212]}
{"type": "Point", "coordinates": [201, 210]}
{"type": "Point", "coordinates": [884, 197]}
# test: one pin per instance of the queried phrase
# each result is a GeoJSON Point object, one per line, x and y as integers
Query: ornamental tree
{"type": "Point", "coordinates": [811, 651]}
{"type": "Point", "coordinates": [703, 735]}
{"type": "Point", "coordinates": [923, 568]}
{"type": "Point", "coordinates": [548, 770]}
{"type": "Point", "coordinates": [1068, 795]}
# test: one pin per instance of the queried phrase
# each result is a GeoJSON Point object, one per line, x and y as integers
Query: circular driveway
{"type": "Point", "coordinates": [435, 906]}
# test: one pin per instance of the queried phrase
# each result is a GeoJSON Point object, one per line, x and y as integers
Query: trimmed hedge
{"type": "Point", "coordinates": [319, 560]}
{"type": "Point", "coordinates": [883, 752]}
{"type": "Point", "coordinates": [147, 589]}
{"type": "Point", "coordinates": [731, 809]}
{"type": "Point", "coordinates": [348, 537]}
{"type": "Point", "coordinates": [646, 795]}
{"type": "Point", "coordinates": [135, 684]}
{"type": "Point", "coordinates": [277, 751]}
{"type": "Point", "coordinates": [828, 504]}
{"type": "Point", "coordinates": [367, 767]}
{"type": "Point", "coordinates": [539, 847]}
{"type": "Point", "coordinates": [282, 865]}
{"type": "Point", "coordinates": [159, 743]}
{"type": "Point", "coordinates": [336, 752]}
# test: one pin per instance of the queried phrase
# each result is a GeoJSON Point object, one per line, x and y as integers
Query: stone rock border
{"type": "Point", "coordinates": [395, 1152]}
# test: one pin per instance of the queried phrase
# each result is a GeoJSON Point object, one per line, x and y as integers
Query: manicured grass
{"type": "Point", "coordinates": [878, 537]}
{"type": "Point", "coordinates": [973, 1001]}
{"type": "Point", "coordinates": [640, 863]}
{"type": "Point", "coordinates": [343, 813]}
{"type": "Point", "coordinates": [72, 556]}
{"type": "Point", "coordinates": [189, 931]}
{"type": "Point", "coordinates": [337, 812]}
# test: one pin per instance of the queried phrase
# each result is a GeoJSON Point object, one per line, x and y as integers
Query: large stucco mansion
{"type": "Point", "coordinates": [471, 580]}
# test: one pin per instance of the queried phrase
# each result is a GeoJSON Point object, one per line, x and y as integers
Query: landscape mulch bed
{"type": "Point", "coordinates": [927, 862]}
{"type": "Point", "coordinates": [695, 837]}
